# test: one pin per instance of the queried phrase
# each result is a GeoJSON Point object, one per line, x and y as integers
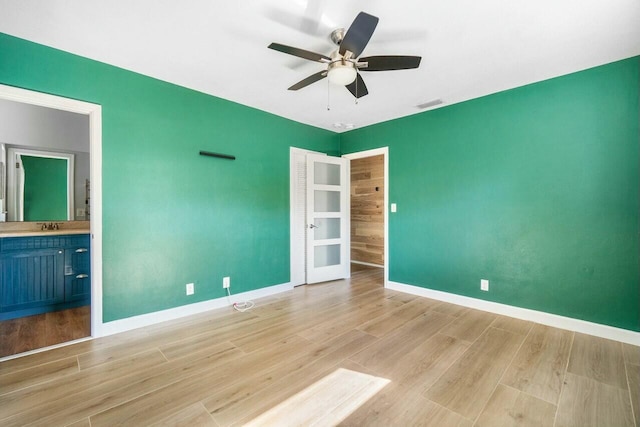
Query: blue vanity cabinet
{"type": "Point", "coordinates": [77, 268]}
{"type": "Point", "coordinates": [31, 278]}
{"type": "Point", "coordinates": [39, 274]}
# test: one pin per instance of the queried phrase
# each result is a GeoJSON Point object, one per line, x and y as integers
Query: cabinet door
{"type": "Point", "coordinates": [77, 266]}
{"type": "Point", "coordinates": [31, 278]}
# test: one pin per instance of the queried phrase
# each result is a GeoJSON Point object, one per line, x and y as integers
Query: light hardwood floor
{"type": "Point", "coordinates": [447, 366]}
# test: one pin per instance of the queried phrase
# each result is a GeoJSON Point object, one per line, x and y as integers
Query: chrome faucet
{"type": "Point", "coordinates": [51, 226]}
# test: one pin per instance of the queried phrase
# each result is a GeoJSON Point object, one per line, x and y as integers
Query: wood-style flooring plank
{"type": "Point", "coordinates": [631, 354]}
{"type": "Point", "coordinates": [114, 352]}
{"type": "Point", "coordinates": [469, 325]}
{"type": "Point", "coordinates": [37, 375]}
{"type": "Point", "coordinates": [599, 359]}
{"type": "Point", "coordinates": [382, 325]}
{"type": "Point", "coordinates": [509, 407]}
{"type": "Point", "coordinates": [76, 349]}
{"type": "Point", "coordinates": [42, 330]}
{"type": "Point", "coordinates": [155, 403]}
{"type": "Point", "coordinates": [539, 366]}
{"type": "Point", "coordinates": [276, 386]}
{"type": "Point", "coordinates": [193, 370]}
{"type": "Point", "coordinates": [81, 423]}
{"type": "Point", "coordinates": [413, 373]}
{"type": "Point", "coordinates": [322, 356]}
{"type": "Point", "coordinates": [325, 402]}
{"type": "Point", "coordinates": [399, 407]}
{"type": "Point", "coordinates": [324, 330]}
{"type": "Point", "coordinates": [516, 326]}
{"type": "Point", "coordinates": [383, 355]}
{"type": "Point", "coordinates": [633, 377]}
{"type": "Point", "coordinates": [467, 385]}
{"type": "Point", "coordinates": [191, 416]}
{"type": "Point", "coordinates": [585, 402]}
{"type": "Point", "coordinates": [23, 334]}
{"type": "Point", "coordinates": [44, 399]}
{"type": "Point", "coordinates": [306, 319]}
{"type": "Point", "coordinates": [67, 325]}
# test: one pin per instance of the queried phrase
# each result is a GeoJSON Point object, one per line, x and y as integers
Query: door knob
{"type": "Point", "coordinates": [313, 226]}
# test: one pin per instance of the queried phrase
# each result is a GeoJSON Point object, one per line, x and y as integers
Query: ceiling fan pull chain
{"type": "Point", "coordinates": [328, 95]}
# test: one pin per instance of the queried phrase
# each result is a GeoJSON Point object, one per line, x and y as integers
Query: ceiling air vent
{"type": "Point", "coordinates": [429, 104]}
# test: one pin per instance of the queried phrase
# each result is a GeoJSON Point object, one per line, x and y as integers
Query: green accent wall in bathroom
{"type": "Point", "coordinates": [535, 189]}
{"type": "Point", "coordinates": [171, 216]}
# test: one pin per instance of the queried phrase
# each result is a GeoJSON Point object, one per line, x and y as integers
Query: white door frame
{"type": "Point", "coordinates": [370, 153]}
{"type": "Point", "coordinates": [94, 112]}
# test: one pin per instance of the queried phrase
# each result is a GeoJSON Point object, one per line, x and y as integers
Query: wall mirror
{"type": "Point", "coordinates": [44, 164]}
{"type": "Point", "coordinates": [39, 185]}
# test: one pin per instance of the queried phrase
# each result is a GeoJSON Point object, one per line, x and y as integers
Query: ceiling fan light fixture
{"type": "Point", "coordinates": [342, 73]}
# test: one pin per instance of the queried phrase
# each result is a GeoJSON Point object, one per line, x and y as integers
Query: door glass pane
{"type": "Point", "coordinates": [326, 201]}
{"type": "Point", "coordinates": [326, 174]}
{"type": "Point", "coordinates": [326, 255]}
{"type": "Point", "coordinates": [327, 228]}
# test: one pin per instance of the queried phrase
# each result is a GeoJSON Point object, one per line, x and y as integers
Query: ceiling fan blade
{"type": "Point", "coordinates": [311, 79]}
{"type": "Point", "coordinates": [358, 34]}
{"type": "Point", "coordinates": [311, 56]}
{"type": "Point", "coordinates": [387, 63]}
{"type": "Point", "coordinates": [357, 87]}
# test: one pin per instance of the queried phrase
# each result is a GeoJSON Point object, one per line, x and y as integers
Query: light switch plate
{"type": "Point", "coordinates": [394, 208]}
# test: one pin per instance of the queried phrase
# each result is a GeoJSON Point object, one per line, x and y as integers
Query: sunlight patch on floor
{"type": "Point", "coordinates": [326, 402]}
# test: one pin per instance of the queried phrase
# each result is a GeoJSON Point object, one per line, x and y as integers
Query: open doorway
{"type": "Point", "coordinates": [66, 292]}
{"type": "Point", "coordinates": [369, 213]}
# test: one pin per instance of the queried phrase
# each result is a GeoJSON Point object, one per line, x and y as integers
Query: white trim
{"type": "Point", "coordinates": [561, 322]}
{"type": "Point", "coordinates": [295, 257]}
{"type": "Point", "coordinates": [370, 264]}
{"type": "Point", "coordinates": [94, 112]}
{"type": "Point", "coordinates": [123, 325]}
{"type": "Point", "coordinates": [370, 153]}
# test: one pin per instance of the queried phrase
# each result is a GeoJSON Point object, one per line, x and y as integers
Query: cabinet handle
{"type": "Point", "coordinates": [81, 250]}
{"type": "Point", "coordinates": [82, 276]}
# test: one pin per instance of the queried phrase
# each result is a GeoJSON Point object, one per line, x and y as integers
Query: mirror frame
{"type": "Point", "coordinates": [15, 186]}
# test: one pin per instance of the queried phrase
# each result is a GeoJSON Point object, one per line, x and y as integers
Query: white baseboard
{"type": "Point", "coordinates": [149, 319]}
{"type": "Point", "coordinates": [568, 323]}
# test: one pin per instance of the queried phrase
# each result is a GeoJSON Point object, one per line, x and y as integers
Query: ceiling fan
{"type": "Point", "coordinates": [343, 65]}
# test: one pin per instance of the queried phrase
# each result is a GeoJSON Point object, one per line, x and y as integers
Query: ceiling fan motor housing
{"type": "Point", "coordinates": [337, 35]}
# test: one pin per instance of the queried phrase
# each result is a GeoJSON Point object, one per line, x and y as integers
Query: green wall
{"type": "Point", "coordinates": [45, 188]}
{"type": "Point", "coordinates": [170, 216]}
{"type": "Point", "coordinates": [535, 189]}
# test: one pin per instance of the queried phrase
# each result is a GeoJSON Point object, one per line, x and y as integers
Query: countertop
{"type": "Point", "coordinates": [27, 229]}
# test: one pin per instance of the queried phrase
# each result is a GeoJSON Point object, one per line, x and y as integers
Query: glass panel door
{"type": "Point", "coordinates": [327, 218]}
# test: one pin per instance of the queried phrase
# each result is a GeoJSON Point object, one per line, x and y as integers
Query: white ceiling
{"type": "Point", "coordinates": [469, 48]}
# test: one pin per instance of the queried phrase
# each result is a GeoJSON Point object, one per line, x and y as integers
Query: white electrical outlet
{"type": "Point", "coordinates": [484, 285]}
{"type": "Point", "coordinates": [190, 288]}
{"type": "Point", "coordinates": [226, 282]}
